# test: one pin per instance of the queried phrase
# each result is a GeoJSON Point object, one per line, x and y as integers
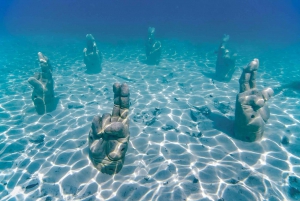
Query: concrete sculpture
{"type": "Point", "coordinates": [92, 56]}
{"type": "Point", "coordinates": [251, 112]}
{"type": "Point", "coordinates": [153, 48]}
{"type": "Point", "coordinates": [43, 87]}
{"type": "Point", "coordinates": [225, 65]}
{"type": "Point", "coordinates": [109, 134]}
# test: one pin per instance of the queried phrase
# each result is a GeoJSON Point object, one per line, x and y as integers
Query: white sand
{"type": "Point", "coordinates": [171, 156]}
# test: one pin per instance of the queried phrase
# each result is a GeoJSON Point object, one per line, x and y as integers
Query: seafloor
{"type": "Point", "coordinates": [175, 152]}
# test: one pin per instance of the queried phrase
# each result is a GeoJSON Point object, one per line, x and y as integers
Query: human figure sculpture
{"type": "Point", "coordinates": [153, 48]}
{"type": "Point", "coordinates": [43, 87]}
{"type": "Point", "coordinates": [251, 110]}
{"type": "Point", "coordinates": [109, 134]}
{"type": "Point", "coordinates": [92, 56]}
{"type": "Point", "coordinates": [225, 65]}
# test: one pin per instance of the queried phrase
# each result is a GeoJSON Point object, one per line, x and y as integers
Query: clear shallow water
{"type": "Point", "coordinates": [173, 155]}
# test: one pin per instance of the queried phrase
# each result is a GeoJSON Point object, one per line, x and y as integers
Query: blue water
{"type": "Point", "coordinates": [175, 153]}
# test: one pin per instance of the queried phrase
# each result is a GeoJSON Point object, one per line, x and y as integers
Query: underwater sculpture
{"type": "Point", "coordinates": [153, 48]}
{"type": "Point", "coordinates": [92, 56]}
{"type": "Point", "coordinates": [251, 110]}
{"type": "Point", "coordinates": [109, 134]}
{"type": "Point", "coordinates": [225, 65]}
{"type": "Point", "coordinates": [42, 82]}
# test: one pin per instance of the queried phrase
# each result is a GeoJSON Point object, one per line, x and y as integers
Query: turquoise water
{"type": "Point", "coordinates": [181, 119]}
{"type": "Point", "coordinates": [174, 154]}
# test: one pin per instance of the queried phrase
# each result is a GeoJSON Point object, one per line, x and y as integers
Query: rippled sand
{"type": "Point", "coordinates": [175, 152]}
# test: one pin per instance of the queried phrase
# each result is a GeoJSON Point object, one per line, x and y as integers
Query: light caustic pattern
{"type": "Point", "coordinates": [175, 152]}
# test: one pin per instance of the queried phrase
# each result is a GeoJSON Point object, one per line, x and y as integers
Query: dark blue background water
{"type": "Point", "coordinates": [251, 20]}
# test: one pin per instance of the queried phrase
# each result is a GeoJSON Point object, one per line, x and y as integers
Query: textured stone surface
{"type": "Point", "coordinates": [251, 112]}
{"type": "Point", "coordinates": [109, 134]}
{"type": "Point", "coordinates": [43, 86]}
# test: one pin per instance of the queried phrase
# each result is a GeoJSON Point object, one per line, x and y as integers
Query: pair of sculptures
{"type": "Point", "coordinates": [42, 82]}
{"type": "Point", "coordinates": [109, 134]}
{"type": "Point", "coordinates": [93, 57]}
{"type": "Point", "coordinates": [251, 110]}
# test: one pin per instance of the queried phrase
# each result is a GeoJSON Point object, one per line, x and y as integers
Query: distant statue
{"type": "Point", "coordinates": [225, 65]}
{"type": "Point", "coordinates": [251, 110]}
{"type": "Point", "coordinates": [109, 134]}
{"type": "Point", "coordinates": [92, 56]}
{"type": "Point", "coordinates": [43, 87]}
{"type": "Point", "coordinates": [153, 48]}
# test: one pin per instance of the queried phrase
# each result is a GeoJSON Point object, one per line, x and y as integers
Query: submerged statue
{"type": "Point", "coordinates": [153, 48]}
{"type": "Point", "coordinates": [251, 110]}
{"type": "Point", "coordinates": [225, 65]}
{"type": "Point", "coordinates": [109, 134]}
{"type": "Point", "coordinates": [92, 56]}
{"type": "Point", "coordinates": [43, 87]}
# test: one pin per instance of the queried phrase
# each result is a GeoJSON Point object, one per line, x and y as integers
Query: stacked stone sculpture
{"type": "Point", "coordinates": [225, 65]}
{"type": "Point", "coordinates": [153, 48]}
{"type": "Point", "coordinates": [43, 86]}
{"type": "Point", "coordinates": [92, 56]}
{"type": "Point", "coordinates": [109, 134]}
{"type": "Point", "coordinates": [251, 112]}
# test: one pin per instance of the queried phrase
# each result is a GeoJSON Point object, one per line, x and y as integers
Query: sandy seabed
{"type": "Point", "coordinates": [175, 152]}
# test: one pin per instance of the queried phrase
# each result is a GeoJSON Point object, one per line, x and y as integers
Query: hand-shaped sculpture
{"type": "Point", "coordinates": [43, 93]}
{"type": "Point", "coordinates": [153, 48]}
{"type": "Point", "coordinates": [225, 65]}
{"type": "Point", "coordinates": [109, 134]}
{"type": "Point", "coordinates": [251, 110]}
{"type": "Point", "coordinates": [92, 56]}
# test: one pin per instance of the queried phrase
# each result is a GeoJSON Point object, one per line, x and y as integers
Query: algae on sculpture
{"type": "Point", "coordinates": [251, 110]}
{"type": "Point", "coordinates": [92, 56]}
{"type": "Point", "coordinates": [42, 82]}
{"type": "Point", "coordinates": [153, 48]}
{"type": "Point", "coordinates": [225, 65]}
{"type": "Point", "coordinates": [109, 134]}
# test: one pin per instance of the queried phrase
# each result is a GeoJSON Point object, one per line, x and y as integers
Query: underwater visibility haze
{"type": "Point", "coordinates": [150, 100]}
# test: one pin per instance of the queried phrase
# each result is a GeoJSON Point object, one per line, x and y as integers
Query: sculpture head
{"type": "Point", "coordinates": [151, 33]}
{"type": "Point", "coordinates": [44, 63]}
{"type": "Point", "coordinates": [90, 41]}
